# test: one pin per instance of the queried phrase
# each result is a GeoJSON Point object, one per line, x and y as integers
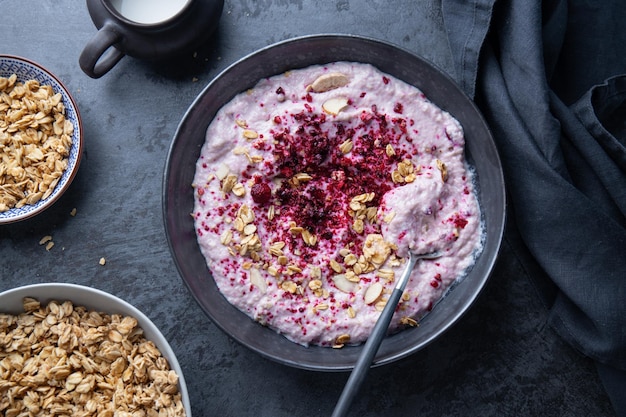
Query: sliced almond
{"type": "Point", "coordinates": [222, 171]}
{"type": "Point", "coordinates": [335, 105]}
{"type": "Point", "coordinates": [330, 81]}
{"type": "Point", "coordinates": [373, 292]}
{"type": "Point", "coordinates": [257, 280]}
{"type": "Point", "coordinates": [343, 284]}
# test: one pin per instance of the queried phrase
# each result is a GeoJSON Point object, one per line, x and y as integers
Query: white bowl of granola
{"type": "Point", "coordinates": [40, 138]}
{"type": "Point", "coordinates": [84, 351]}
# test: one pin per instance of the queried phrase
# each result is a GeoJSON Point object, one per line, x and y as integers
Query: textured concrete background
{"type": "Point", "coordinates": [499, 360]}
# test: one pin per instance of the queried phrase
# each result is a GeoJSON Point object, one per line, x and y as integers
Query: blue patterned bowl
{"type": "Point", "coordinates": [25, 70]}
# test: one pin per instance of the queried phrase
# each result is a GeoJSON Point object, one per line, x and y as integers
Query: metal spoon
{"type": "Point", "coordinates": [376, 337]}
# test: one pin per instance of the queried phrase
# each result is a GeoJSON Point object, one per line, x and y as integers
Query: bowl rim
{"type": "Point", "coordinates": [79, 143]}
{"type": "Point", "coordinates": [494, 243]}
{"type": "Point", "coordinates": [125, 308]}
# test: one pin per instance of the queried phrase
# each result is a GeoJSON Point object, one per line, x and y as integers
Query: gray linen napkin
{"type": "Point", "coordinates": [550, 78]}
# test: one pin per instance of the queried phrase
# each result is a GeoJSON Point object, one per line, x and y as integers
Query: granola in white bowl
{"type": "Point", "coordinates": [67, 349]}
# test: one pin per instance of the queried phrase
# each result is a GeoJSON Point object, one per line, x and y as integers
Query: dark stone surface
{"type": "Point", "coordinates": [499, 360]}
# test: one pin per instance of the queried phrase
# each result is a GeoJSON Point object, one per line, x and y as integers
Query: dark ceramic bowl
{"type": "Point", "coordinates": [297, 53]}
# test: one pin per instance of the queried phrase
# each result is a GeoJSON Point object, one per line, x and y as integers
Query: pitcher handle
{"type": "Point", "coordinates": [100, 54]}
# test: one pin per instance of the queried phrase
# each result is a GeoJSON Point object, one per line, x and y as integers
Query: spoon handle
{"type": "Point", "coordinates": [372, 344]}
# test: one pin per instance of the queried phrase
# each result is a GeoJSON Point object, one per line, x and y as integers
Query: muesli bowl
{"type": "Point", "coordinates": [25, 70]}
{"type": "Point", "coordinates": [101, 304]}
{"type": "Point", "coordinates": [178, 198]}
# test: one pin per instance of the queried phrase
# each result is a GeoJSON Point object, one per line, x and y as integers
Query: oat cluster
{"type": "Point", "coordinates": [65, 360]}
{"type": "Point", "coordinates": [35, 141]}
